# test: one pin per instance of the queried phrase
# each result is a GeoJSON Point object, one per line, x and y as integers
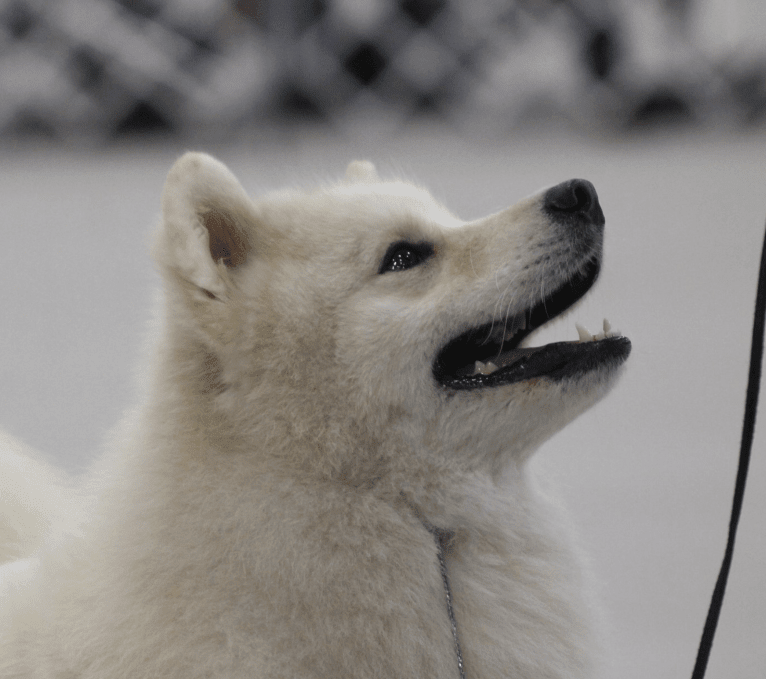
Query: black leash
{"type": "Point", "coordinates": [748, 428]}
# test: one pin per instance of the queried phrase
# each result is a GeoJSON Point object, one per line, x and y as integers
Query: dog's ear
{"type": "Point", "coordinates": [361, 172]}
{"type": "Point", "coordinates": [206, 216]}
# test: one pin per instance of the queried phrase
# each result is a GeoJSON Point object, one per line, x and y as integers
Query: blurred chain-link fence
{"type": "Point", "coordinates": [106, 68]}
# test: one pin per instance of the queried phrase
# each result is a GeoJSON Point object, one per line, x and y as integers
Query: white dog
{"type": "Point", "coordinates": [326, 477]}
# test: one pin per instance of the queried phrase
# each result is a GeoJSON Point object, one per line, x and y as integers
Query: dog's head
{"type": "Point", "coordinates": [367, 311]}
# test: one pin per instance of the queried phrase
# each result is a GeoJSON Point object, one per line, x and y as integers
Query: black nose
{"type": "Point", "coordinates": [574, 200]}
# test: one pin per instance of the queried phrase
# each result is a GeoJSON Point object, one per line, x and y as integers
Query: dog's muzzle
{"type": "Point", "coordinates": [492, 354]}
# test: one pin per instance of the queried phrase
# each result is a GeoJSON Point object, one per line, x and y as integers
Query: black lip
{"type": "Point", "coordinates": [555, 361]}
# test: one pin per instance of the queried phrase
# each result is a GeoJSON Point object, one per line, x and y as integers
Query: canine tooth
{"type": "Point", "coordinates": [608, 332]}
{"type": "Point", "coordinates": [478, 368]}
{"type": "Point", "coordinates": [583, 332]}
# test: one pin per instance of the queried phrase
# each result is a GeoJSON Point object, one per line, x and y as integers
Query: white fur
{"type": "Point", "coordinates": [261, 513]}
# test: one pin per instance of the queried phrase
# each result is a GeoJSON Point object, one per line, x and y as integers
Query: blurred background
{"type": "Point", "coordinates": [661, 103]}
{"type": "Point", "coordinates": [104, 69]}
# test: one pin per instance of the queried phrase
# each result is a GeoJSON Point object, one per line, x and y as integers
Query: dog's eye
{"type": "Point", "coordinates": [402, 256]}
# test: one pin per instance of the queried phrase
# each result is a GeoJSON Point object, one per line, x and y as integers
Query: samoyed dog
{"type": "Point", "coordinates": [327, 475]}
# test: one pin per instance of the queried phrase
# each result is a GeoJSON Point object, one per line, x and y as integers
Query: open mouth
{"type": "Point", "coordinates": [490, 355]}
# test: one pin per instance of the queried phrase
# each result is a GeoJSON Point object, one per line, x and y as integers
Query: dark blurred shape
{"type": "Point", "coordinates": [87, 66]}
{"type": "Point", "coordinates": [202, 41]}
{"type": "Point", "coordinates": [678, 10]}
{"type": "Point", "coordinates": [18, 18]}
{"type": "Point", "coordinates": [28, 123]}
{"type": "Point", "coordinates": [663, 106]}
{"type": "Point", "coordinates": [365, 63]}
{"type": "Point", "coordinates": [146, 9]}
{"type": "Point", "coordinates": [429, 104]}
{"type": "Point", "coordinates": [292, 103]}
{"type": "Point", "coordinates": [422, 12]}
{"type": "Point", "coordinates": [601, 52]}
{"type": "Point", "coordinates": [254, 10]}
{"type": "Point", "coordinates": [310, 12]}
{"type": "Point", "coordinates": [145, 117]}
{"type": "Point", "coordinates": [748, 87]}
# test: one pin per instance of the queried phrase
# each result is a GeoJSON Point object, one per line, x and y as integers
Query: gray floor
{"type": "Point", "coordinates": [648, 474]}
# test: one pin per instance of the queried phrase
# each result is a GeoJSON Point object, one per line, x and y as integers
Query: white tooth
{"type": "Point", "coordinates": [598, 337]}
{"type": "Point", "coordinates": [478, 368]}
{"type": "Point", "coordinates": [607, 327]}
{"type": "Point", "coordinates": [582, 331]}
{"type": "Point", "coordinates": [614, 333]}
{"type": "Point", "coordinates": [489, 368]}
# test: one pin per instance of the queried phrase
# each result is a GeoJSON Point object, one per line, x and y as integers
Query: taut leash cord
{"type": "Point", "coordinates": [748, 429]}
